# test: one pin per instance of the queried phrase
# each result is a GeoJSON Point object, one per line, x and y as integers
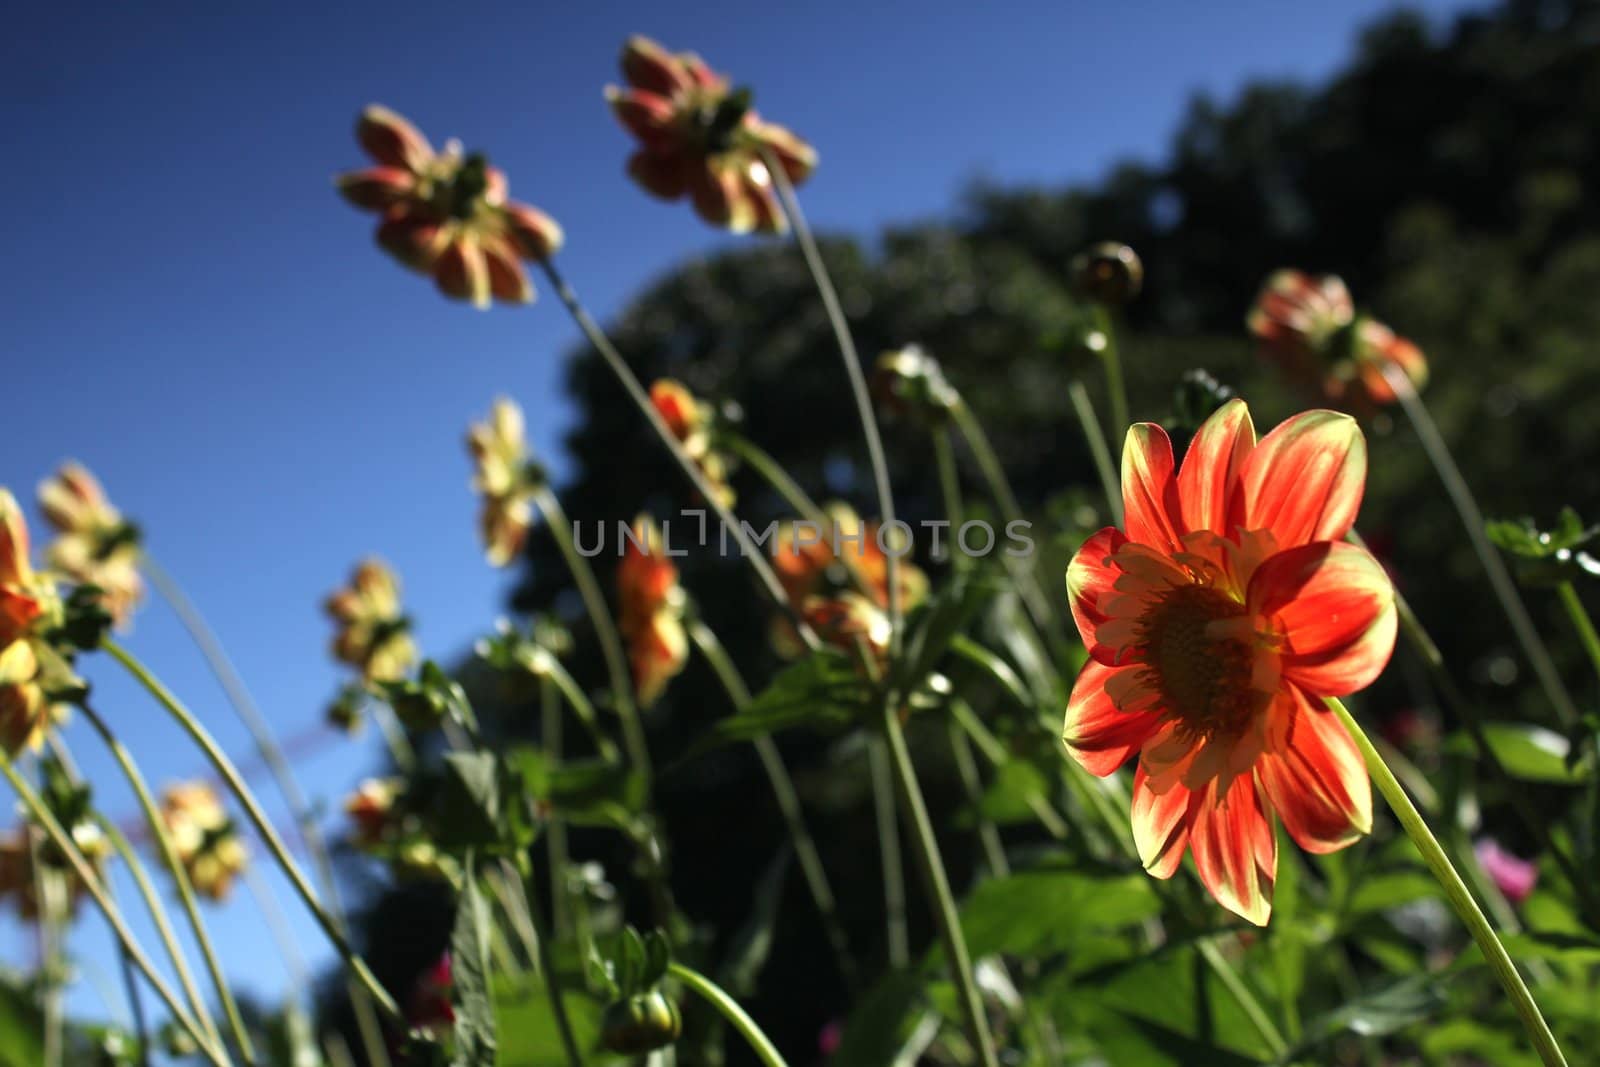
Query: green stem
{"type": "Point", "coordinates": [950, 489]}
{"type": "Point", "coordinates": [1455, 891]}
{"type": "Point", "coordinates": [1098, 448]}
{"type": "Point", "coordinates": [1581, 622]}
{"type": "Point", "coordinates": [271, 753]}
{"type": "Point", "coordinates": [996, 754]}
{"type": "Point", "coordinates": [180, 880]}
{"type": "Point", "coordinates": [96, 890]}
{"type": "Point", "coordinates": [130, 987]}
{"type": "Point", "coordinates": [1111, 359]}
{"type": "Point", "coordinates": [269, 835]}
{"type": "Point", "coordinates": [555, 830]}
{"type": "Point", "coordinates": [788, 799]}
{"type": "Point", "coordinates": [858, 379]}
{"type": "Point", "coordinates": [605, 628]}
{"type": "Point", "coordinates": [748, 549]}
{"type": "Point", "coordinates": [552, 670]}
{"type": "Point", "coordinates": [944, 905]}
{"type": "Point", "coordinates": [897, 935]}
{"type": "Point", "coordinates": [994, 853]}
{"type": "Point", "coordinates": [46, 886]}
{"type": "Point", "coordinates": [771, 471]}
{"type": "Point", "coordinates": [730, 1010]}
{"type": "Point", "coordinates": [1493, 566]}
{"type": "Point", "coordinates": [552, 981]}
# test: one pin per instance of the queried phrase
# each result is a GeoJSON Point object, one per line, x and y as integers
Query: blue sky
{"type": "Point", "coordinates": [193, 312]}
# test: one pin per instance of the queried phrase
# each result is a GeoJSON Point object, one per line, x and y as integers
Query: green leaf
{"type": "Point", "coordinates": [592, 792]}
{"type": "Point", "coordinates": [481, 805]}
{"type": "Point", "coordinates": [1390, 889]}
{"type": "Point", "coordinates": [822, 691]}
{"type": "Point", "coordinates": [470, 975]}
{"type": "Point", "coordinates": [1576, 949]}
{"type": "Point", "coordinates": [21, 1028]}
{"type": "Point", "coordinates": [1382, 1011]}
{"type": "Point", "coordinates": [751, 946]}
{"type": "Point", "coordinates": [1041, 912]}
{"type": "Point", "coordinates": [1548, 557]}
{"type": "Point", "coordinates": [1528, 753]}
{"type": "Point", "coordinates": [882, 1023]}
{"type": "Point", "coordinates": [938, 622]}
{"type": "Point", "coordinates": [528, 1033]}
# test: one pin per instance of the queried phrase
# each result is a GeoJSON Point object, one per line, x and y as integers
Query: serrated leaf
{"type": "Point", "coordinates": [475, 1038]}
{"type": "Point", "coordinates": [822, 692]}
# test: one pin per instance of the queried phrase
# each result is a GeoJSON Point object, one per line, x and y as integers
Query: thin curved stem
{"type": "Point", "coordinates": [788, 799]}
{"type": "Point", "coordinates": [1581, 622]}
{"type": "Point", "coordinates": [897, 939]}
{"type": "Point", "coordinates": [858, 378]}
{"type": "Point", "coordinates": [130, 987]}
{"type": "Point", "coordinates": [63, 841]}
{"type": "Point", "coordinates": [748, 549]}
{"type": "Point", "coordinates": [578, 701]}
{"type": "Point", "coordinates": [730, 1010]}
{"type": "Point", "coordinates": [950, 490]}
{"type": "Point", "coordinates": [605, 627]}
{"type": "Point", "coordinates": [47, 893]}
{"type": "Point", "coordinates": [272, 754]}
{"type": "Point", "coordinates": [946, 918]}
{"type": "Point", "coordinates": [1111, 360]}
{"type": "Point", "coordinates": [1455, 891]}
{"type": "Point", "coordinates": [994, 852]}
{"type": "Point", "coordinates": [771, 471]}
{"type": "Point", "coordinates": [269, 835]}
{"type": "Point", "coordinates": [1098, 448]}
{"type": "Point", "coordinates": [555, 831]}
{"type": "Point", "coordinates": [996, 754]}
{"type": "Point", "coordinates": [1494, 567]}
{"type": "Point", "coordinates": [180, 879]}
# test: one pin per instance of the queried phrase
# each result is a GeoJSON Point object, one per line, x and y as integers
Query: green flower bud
{"type": "Point", "coordinates": [1108, 273]}
{"type": "Point", "coordinates": [641, 1023]}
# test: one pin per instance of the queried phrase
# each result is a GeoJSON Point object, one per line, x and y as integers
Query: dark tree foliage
{"type": "Point", "coordinates": [1447, 175]}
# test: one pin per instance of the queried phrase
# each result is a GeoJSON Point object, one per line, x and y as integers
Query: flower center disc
{"type": "Point", "coordinates": [1204, 679]}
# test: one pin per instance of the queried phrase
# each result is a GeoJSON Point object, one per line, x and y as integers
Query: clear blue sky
{"type": "Point", "coordinates": [193, 312]}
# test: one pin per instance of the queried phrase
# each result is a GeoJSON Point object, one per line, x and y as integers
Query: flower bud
{"type": "Point", "coordinates": [641, 1023]}
{"type": "Point", "coordinates": [1108, 273]}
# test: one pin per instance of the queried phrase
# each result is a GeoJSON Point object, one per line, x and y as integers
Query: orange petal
{"type": "Point", "coordinates": [463, 273]}
{"type": "Point", "coordinates": [1089, 578]}
{"type": "Point", "coordinates": [1333, 607]}
{"type": "Point", "coordinates": [647, 116]}
{"type": "Point", "coordinates": [1314, 776]}
{"type": "Point", "coordinates": [1149, 492]}
{"type": "Point", "coordinates": [649, 66]}
{"type": "Point", "coordinates": [376, 188]}
{"type": "Point", "coordinates": [1235, 849]}
{"type": "Point", "coordinates": [665, 175]}
{"type": "Point", "coordinates": [1304, 480]}
{"type": "Point", "coordinates": [1097, 733]}
{"type": "Point", "coordinates": [391, 140]}
{"type": "Point", "coordinates": [720, 198]}
{"type": "Point", "coordinates": [537, 235]}
{"type": "Point", "coordinates": [1161, 823]}
{"type": "Point", "coordinates": [1210, 474]}
{"type": "Point", "coordinates": [507, 280]}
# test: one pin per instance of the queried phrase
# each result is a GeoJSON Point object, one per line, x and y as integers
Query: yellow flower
{"type": "Point", "coordinates": [94, 544]}
{"type": "Point", "coordinates": [204, 838]}
{"type": "Point", "coordinates": [499, 450]}
{"type": "Point", "coordinates": [372, 634]}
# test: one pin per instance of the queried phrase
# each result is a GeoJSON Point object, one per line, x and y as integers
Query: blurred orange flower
{"type": "Point", "coordinates": [1215, 623]}
{"type": "Point", "coordinates": [499, 450]}
{"type": "Point", "coordinates": [850, 622]}
{"type": "Point", "coordinates": [446, 213]}
{"type": "Point", "coordinates": [1310, 328]}
{"type": "Point", "coordinates": [95, 545]}
{"type": "Point", "coordinates": [651, 610]}
{"type": "Point", "coordinates": [18, 880]}
{"type": "Point", "coordinates": [690, 420]}
{"type": "Point", "coordinates": [30, 669]}
{"type": "Point", "coordinates": [204, 838]}
{"type": "Point", "coordinates": [372, 633]}
{"type": "Point", "coordinates": [371, 810]}
{"type": "Point", "coordinates": [699, 138]}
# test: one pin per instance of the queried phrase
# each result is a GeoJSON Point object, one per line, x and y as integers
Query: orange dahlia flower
{"type": "Point", "coordinates": [95, 544]}
{"type": "Point", "coordinates": [651, 615]}
{"type": "Point", "coordinates": [1310, 327]}
{"type": "Point", "coordinates": [699, 138]}
{"type": "Point", "coordinates": [372, 633]}
{"type": "Point", "coordinates": [30, 669]}
{"type": "Point", "coordinates": [446, 214]}
{"type": "Point", "coordinates": [690, 420]}
{"type": "Point", "coordinates": [499, 449]}
{"type": "Point", "coordinates": [204, 837]}
{"type": "Point", "coordinates": [1216, 622]}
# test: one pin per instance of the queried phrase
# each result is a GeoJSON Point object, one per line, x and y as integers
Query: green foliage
{"type": "Point", "coordinates": [470, 973]}
{"type": "Point", "coordinates": [1530, 753]}
{"type": "Point", "coordinates": [1548, 557]}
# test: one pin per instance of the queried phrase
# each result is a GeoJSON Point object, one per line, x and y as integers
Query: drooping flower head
{"type": "Point", "coordinates": [499, 450]}
{"type": "Point", "coordinates": [204, 837]}
{"type": "Point", "coordinates": [851, 623]}
{"type": "Point", "coordinates": [371, 809]}
{"type": "Point", "coordinates": [1216, 622]}
{"type": "Point", "coordinates": [909, 383]}
{"type": "Point", "coordinates": [651, 610]}
{"type": "Point", "coordinates": [699, 138]}
{"type": "Point", "coordinates": [446, 213]}
{"type": "Point", "coordinates": [95, 545]}
{"type": "Point", "coordinates": [372, 633]}
{"type": "Point", "coordinates": [1310, 328]}
{"type": "Point", "coordinates": [690, 419]}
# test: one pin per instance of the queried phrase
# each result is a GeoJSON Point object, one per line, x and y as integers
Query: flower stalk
{"type": "Point", "coordinates": [730, 1010]}
{"type": "Point", "coordinates": [1095, 436]}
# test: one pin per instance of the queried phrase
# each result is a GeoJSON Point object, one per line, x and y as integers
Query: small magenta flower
{"type": "Point", "coordinates": [699, 138]}
{"type": "Point", "coordinates": [204, 837]}
{"type": "Point", "coordinates": [690, 420]}
{"type": "Point", "coordinates": [373, 634]}
{"type": "Point", "coordinates": [1515, 877]}
{"type": "Point", "coordinates": [1310, 328]}
{"type": "Point", "coordinates": [446, 214]}
{"type": "Point", "coordinates": [499, 451]}
{"type": "Point", "coordinates": [94, 545]}
{"type": "Point", "coordinates": [651, 610]}
{"type": "Point", "coordinates": [429, 1007]}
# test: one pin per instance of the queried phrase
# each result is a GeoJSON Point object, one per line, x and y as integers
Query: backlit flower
{"type": "Point", "coordinates": [31, 670]}
{"type": "Point", "coordinates": [699, 138]}
{"type": "Point", "coordinates": [499, 450]}
{"type": "Point", "coordinates": [372, 633]}
{"type": "Point", "coordinates": [909, 383]}
{"type": "Point", "coordinates": [850, 622]}
{"type": "Point", "coordinates": [1215, 623]}
{"type": "Point", "coordinates": [651, 610]}
{"type": "Point", "coordinates": [690, 419]}
{"type": "Point", "coordinates": [95, 545]}
{"type": "Point", "coordinates": [371, 809]}
{"type": "Point", "coordinates": [1310, 328]}
{"type": "Point", "coordinates": [204, 837]}
{"type": "Point", "coordinates": [446, 213]}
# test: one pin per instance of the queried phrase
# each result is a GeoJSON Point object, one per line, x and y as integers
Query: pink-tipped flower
{"type": "Point", "coordinates": [204, 837]}
{"type": "Point", "coordinates": [501, 476]}
{"type": "Point", "coordinates": [372, 633]}
{"type": "Point", "coordinates": [94, 545]}
{"type": "Point", "coordinates": [1515, 877]}
{"type": "Point", "coordinates": [699, 138]}
{"type": "Point", "coordinates": [690, 420]}
{"type": "Point", "coordinates": [651, 610]}
{"type": "Point", "coordinates": [446, 214]}
{"type": "Point", "coordinates": [1310, 328]}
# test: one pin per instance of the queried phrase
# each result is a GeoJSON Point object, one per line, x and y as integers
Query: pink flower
{"type": "Point", "coordinates": [1515, 877]}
